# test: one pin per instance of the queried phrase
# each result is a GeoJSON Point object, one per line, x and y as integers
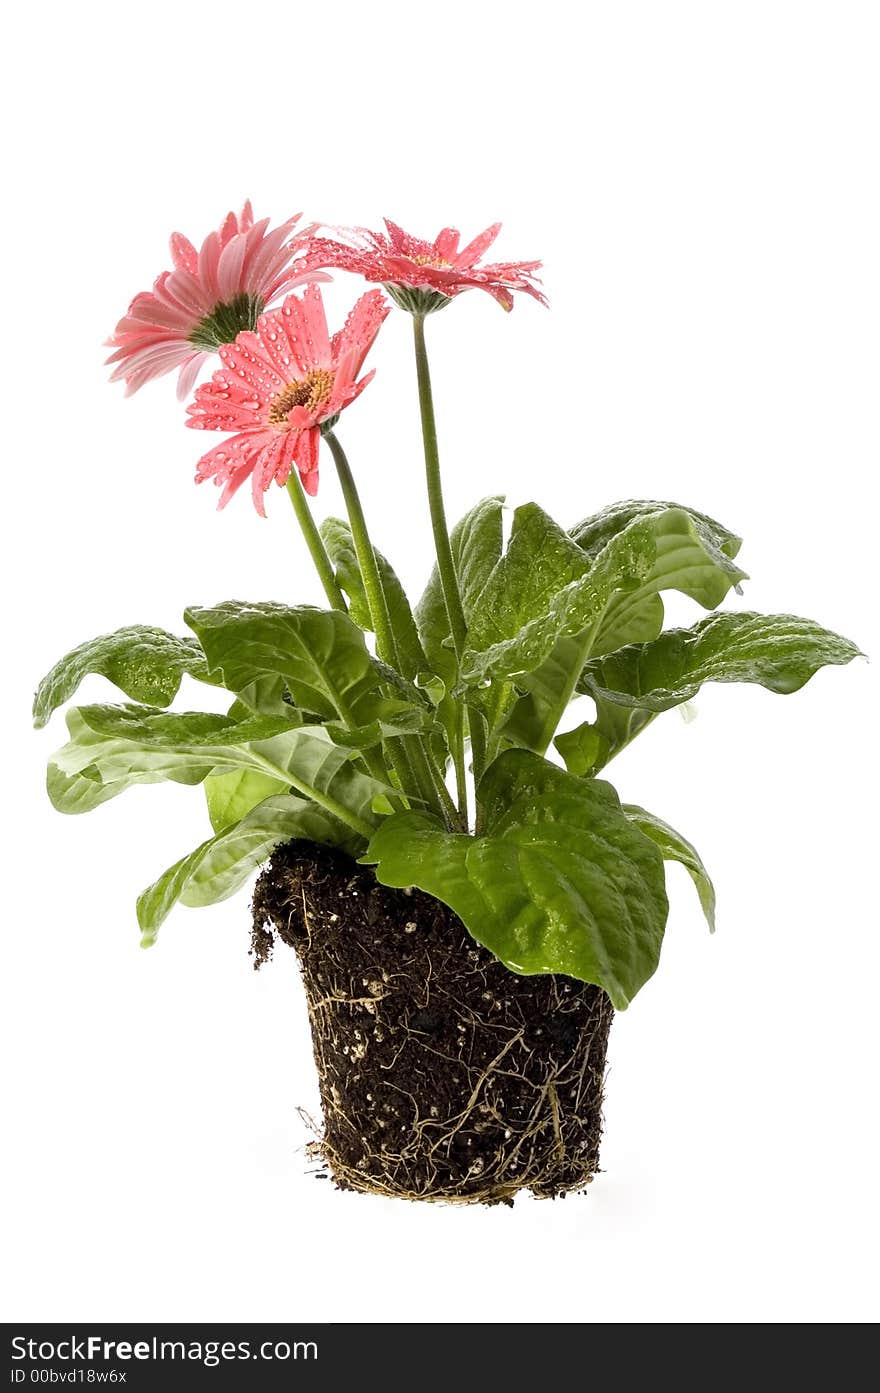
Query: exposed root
{"type": "Point", "coordinates": [444, 1076]}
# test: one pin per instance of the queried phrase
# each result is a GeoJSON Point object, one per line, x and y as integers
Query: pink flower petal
{"type": "Point", "coordinates": [183, 253]}
{"type": "Point", "coordinates": [315, 323]}
{"type": "Point", "coordinates": [446, 245]}
{"type": "Point", "coordinates": [229, 268]}
{"type": "Point", "coordinates": [188, 374]}
{"type": "Point", "coordinates": [475, 249]}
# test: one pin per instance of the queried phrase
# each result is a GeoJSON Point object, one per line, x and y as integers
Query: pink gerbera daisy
{"type": "Point", "coordinates": [209, 297]}
{"type": "Point", "coordinates": [424, 276]}
{"type": "Point", "coordinates": [278, 387]}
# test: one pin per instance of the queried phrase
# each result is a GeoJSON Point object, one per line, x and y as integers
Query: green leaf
{"type": "Point", "coordinates": [92, 767]}
{"type": "Point", "coordinates": [674, 847]}
{"type": "Point", "coordinates": [581, 749]}
{"type": "Point", "coordinates": [217, 868]}
{"type": "Point", "coordinates": [320, 654]}
{"type": "Point", "coordinates": [396, 719]}
{"type": "Point", "coordinates": [476, 546]}
{"type": "Point", "coordinates": [337, 538]}
{"type": "Point", "coordinates": [530, 721]}
{"type": "Point", "coordinates": [145, 663]}
{"type": "Point", "coordinates": [433, 687]}
{"type": "Point", "coordinates": [231, 796]}
{"type": "Point", "coordinates": [561, 880]}
{"type": "Point", "coordinates": [113, 747]}
{"type": "Point", "coordinates": [617, 727]}
{"type": "Point", "coordinates": [540, 560]}
{"type": "Point", "coordinates": [693, 554]}
{"type": "Point", "coordinates": [542, 590]}
{"type": "Point", "coordinates": [266, 695]}
{"type": "Point", "coordinates": [340, 546]}
{"type": "Point", "coordinates": [778, 651]}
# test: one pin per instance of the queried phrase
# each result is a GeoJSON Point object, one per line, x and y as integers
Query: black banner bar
{"type": "Point", "coordinates": [386, 1357]}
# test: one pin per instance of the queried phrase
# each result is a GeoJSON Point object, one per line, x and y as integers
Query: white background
{"type": "Point", "coordinates": [701, 181]}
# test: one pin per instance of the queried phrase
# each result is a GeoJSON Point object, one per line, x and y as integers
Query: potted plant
{"type": "Point", "coordinates": [468, 898]}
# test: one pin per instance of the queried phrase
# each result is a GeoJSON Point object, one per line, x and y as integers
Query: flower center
{"type": "Point", "coordinates": [226, 321]}
{"type": "Point", "coordinates": [439, 262]}
{"type": "Point", "coordinates": [312, 392]}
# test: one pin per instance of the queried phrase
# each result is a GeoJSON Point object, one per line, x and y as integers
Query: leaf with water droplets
{"type": "Point", "coordinates": [691, 553]}
{"type": "Point", "coordinates": [545, 589]}
{"type": "Point", "coordinates": [560, 881]}
{"type": "Point", "coordinates": [144, 662]}
{"type": "Point", "coordinates": [778, 651]}
{"type": "Point", "coordinates": [694, 555]}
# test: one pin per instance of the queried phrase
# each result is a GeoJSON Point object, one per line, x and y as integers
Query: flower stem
{"type": "Point", "coordinates": [428, 784]}
{"type": "Point", "coordinates": [324, 567]}
{"type": "Point", "coordinates": [323, 564]}
{"type": "Point", "coordinates": [443, 548]}
{"type": "Point", "coordinates": [385, 645]}
{"type": "Point", "coordinates": [442, 545]}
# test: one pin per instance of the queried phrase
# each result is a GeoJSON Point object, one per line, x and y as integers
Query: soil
{"type": "Point", "coordinates": [443, 1075]}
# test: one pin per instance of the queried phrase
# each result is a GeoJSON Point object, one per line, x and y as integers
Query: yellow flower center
{"type": "Point", "coordinates": [439, 262]}
{"type": "Point", "coordinates": [312, 392]}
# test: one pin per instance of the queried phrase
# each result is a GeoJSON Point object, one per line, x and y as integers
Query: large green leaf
{"type": "Point", "coordinates": [541, 559]}
{"type": "Point", "coordinates": [476, 546]}
{"type": "Point", "coordinates": [778, 651]}
{"type": "Point", "coordinates": [320, 654]}
{"type": "Point", "coordinates": [113, 747]}
{"type": "Point", "coordinates": [217, 868]}
{"type": "Point", "coordinates": [340, 546]}
{"type": "Point", "coordinates": [542, 590]}
{"type": "Point", "coordinates": [232, 795]}
{"type": "Point", "coordinates": [674, 847]}
{"type": "Point", "coordinates": [145, 663]}
{"type": "Point", "coordinates": [561, 880]}
{"type": "Point", "coordinates": [94, 766]}
{"type": "Point", "coordinates": [693, 554]}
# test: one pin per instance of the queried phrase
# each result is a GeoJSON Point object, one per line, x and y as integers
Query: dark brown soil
{"type": "Point", "coordinates": [443, 1075]}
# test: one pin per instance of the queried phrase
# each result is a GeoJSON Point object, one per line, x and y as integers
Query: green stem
{"type": "Point", "coordinates": [325, 800]}
{"type": "Point", "coordinates": [414, 761]}
{"type": "Point", "coordinates": [458, 763]}
{"type": "Point", "coordinates": [445, 560]}
{"type": "Point", "coordinates": [450, 811]}
{"type": "Point", "coordinates": [442, 545]}
{"type": "Point", "coordinates": [494, 718]}
{"type": "Point", "coordinates": [324, 567]}
{"type": "Point", "coordinates": [385, 645]}
{"type": "Point", "coordinates": [478, 745]}
{"type": "Point", "coordinates": [323, 564]}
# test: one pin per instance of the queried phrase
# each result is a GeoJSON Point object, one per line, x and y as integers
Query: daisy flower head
{"type": "Point", "coordinates": [424, 276]}
{"type": "Point", "coordinates": [208, 298]}
{"type": "Point", "coordinates": [280, 385]}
